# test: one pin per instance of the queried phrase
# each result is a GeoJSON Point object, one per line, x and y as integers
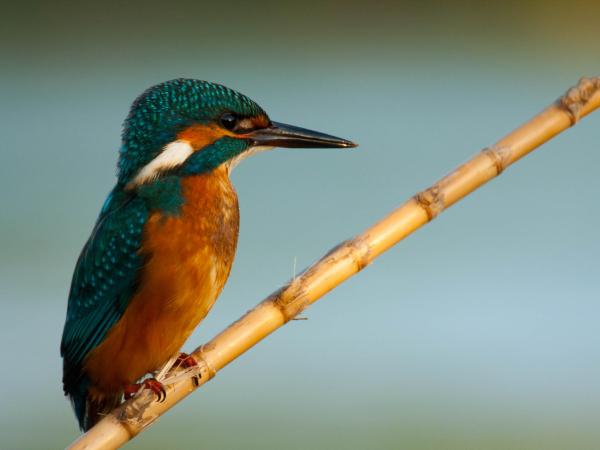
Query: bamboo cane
{"type": "Point", "coordinates": [346, 259]}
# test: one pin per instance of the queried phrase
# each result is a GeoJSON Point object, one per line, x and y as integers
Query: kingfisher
{"type": "Point", "coordinates": [165, 239]}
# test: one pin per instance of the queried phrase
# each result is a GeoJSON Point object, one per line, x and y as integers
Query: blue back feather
{"type": "Point", "coordinates": [104, 281]}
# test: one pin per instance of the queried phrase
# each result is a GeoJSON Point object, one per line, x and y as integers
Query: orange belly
{"type": "Point", "coordinates": [188, 259]}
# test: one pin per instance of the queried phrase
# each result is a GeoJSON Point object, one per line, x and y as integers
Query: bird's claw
{"type": "Point", "coordinates": [157, 387]}
{"type": "Point", "coordinates": [149, 383]}
{"type": "Point", "coordinates": [187, 361]}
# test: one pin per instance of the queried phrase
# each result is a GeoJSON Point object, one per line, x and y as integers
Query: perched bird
{"type": "Point", "coordinates": [165, 239]}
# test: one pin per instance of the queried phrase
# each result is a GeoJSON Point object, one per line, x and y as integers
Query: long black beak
{"type": "Point", "coordinates": [282, 135]}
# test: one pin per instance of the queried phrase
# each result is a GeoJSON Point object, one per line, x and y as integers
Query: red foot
{"type": "Point", "coordinates": [149, 383]}
{"type": "Point", "coordinates": [187, 361]}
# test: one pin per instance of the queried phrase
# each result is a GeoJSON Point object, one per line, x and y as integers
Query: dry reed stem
{"type": "Point", "coordinates": [340, 263]}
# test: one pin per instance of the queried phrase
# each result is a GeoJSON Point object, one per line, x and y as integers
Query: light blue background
{"type": "Point", "coordinates": [480, 331]}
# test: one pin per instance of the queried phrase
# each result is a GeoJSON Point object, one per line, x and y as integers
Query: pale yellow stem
{"type": "Point", "coordinates": [343, 261]}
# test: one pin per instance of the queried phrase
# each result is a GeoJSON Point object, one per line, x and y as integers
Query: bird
{"type": "Point", "coordinates": [162, 247]}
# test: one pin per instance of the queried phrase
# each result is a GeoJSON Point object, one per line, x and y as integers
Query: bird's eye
{"type": "Point", "coordinates": [229, 121]}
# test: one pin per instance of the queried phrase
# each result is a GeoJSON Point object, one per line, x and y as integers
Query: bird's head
{"type": "Point", "coordinates": [187, 126]}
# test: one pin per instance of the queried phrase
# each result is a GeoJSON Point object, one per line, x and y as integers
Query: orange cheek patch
{"type": "Point", "coordinates": [199, 136]}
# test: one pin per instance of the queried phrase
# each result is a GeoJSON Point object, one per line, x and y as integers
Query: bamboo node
{"type": "Point", "coordinates": [577, 96]}
{"type": "Point", "coordinates": [291, 299]}
{"type": "Point", "coordinates": [499, 156]}
{"type": "Point", "coordinates": [431, 200]}
{"type": "Point", "coordinates": [356, 249]}
{"type": "Point", "coordinates": [204, 363]}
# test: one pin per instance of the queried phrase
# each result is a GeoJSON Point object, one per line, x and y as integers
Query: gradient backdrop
{"type": "Point", "coordinates": [478, 332]}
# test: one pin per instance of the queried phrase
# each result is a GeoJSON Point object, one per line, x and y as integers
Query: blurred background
{"type": "Point", "coordinates": [478, 332]}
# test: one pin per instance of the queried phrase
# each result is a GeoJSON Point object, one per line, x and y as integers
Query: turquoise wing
{"type": "Point", "coordinates": [104, 281]}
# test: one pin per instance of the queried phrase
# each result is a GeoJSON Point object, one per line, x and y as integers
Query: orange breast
{"type": "Point", "coordinates": [189, 257]}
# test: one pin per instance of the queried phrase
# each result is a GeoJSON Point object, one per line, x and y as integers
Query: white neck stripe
{"type": "Point", "coordinates": [173, 154]}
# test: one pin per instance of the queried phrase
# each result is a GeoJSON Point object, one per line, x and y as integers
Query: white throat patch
{"type": "Point", "coordinates": [173, 154]}
{"type": "Point", "coordinates": [251, 151]}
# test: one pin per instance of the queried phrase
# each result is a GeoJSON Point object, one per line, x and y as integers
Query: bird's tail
{"type": "Point", "coordinates": [90, 408]}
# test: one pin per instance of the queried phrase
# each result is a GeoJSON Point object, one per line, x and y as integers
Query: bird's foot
{"type": "Point", "coordinates": [187, 361]}
{"type": "Point", "coordinates": [149, 383]}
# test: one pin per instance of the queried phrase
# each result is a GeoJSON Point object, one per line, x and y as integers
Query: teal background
{"type": "Point", "coordinates": [478, 332]}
